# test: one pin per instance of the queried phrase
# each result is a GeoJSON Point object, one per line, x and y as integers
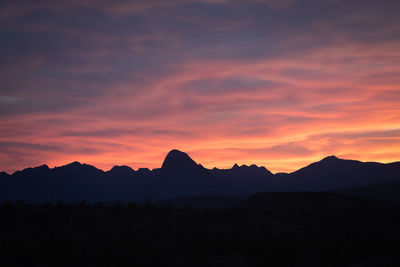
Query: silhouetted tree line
{"type": "Point", "coordinates": [269, 229]}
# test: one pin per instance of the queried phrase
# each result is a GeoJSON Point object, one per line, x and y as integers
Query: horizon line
{"type": "Point", "coordinates": [152, 169]}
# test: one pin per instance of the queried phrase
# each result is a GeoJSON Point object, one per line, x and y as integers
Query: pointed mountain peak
{"type": "Point", "coordinates": [331, 158]}
{"type": "Point", "coordinates": [176, 159]}
{"type": "Point", "coordinates": [236, 166]}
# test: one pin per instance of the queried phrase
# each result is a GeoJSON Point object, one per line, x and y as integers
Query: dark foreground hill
{"type": "Point", "coordinates": [385, 191]}
{"type": "Point", "coordinates": [268, 229]}
{"type": "Point", "coordinates": [180, 176]}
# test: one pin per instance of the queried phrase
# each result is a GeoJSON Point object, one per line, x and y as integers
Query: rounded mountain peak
{"type": "Point", "coordinates": [176, 159]}
{"type": "Point", "coordinates": [74, 164]}
{"type": "Point", "coordinates": [121, 170]}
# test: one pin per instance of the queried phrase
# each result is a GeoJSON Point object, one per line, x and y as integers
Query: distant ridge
{"type": "Point", "coordinates": [181, 176]}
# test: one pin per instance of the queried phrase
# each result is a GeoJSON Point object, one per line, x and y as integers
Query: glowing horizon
{"type": "Point", "coordinates": [108, 167]}
{"type": "Point", "coordinates": [247, 82]}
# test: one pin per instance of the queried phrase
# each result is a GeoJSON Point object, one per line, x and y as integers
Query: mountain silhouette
{"type": "Point", "coordinates": [121, 171]}
{"type": "Point", "coordinates": [334, 173]}
{"type": "Point", "coordinates": [181, 176]}
{"type": "Point", "coordinates": [178, 161]}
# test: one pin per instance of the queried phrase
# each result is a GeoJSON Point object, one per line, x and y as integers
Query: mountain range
{"type": "Point", "coordinates": [181, 176]}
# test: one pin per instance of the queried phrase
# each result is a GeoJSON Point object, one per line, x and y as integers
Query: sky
{"type": "Point", "coordinates": [279, 84]}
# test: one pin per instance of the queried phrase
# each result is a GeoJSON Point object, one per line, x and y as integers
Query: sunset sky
{"type": "Point", "coordinates": [275, 83]}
